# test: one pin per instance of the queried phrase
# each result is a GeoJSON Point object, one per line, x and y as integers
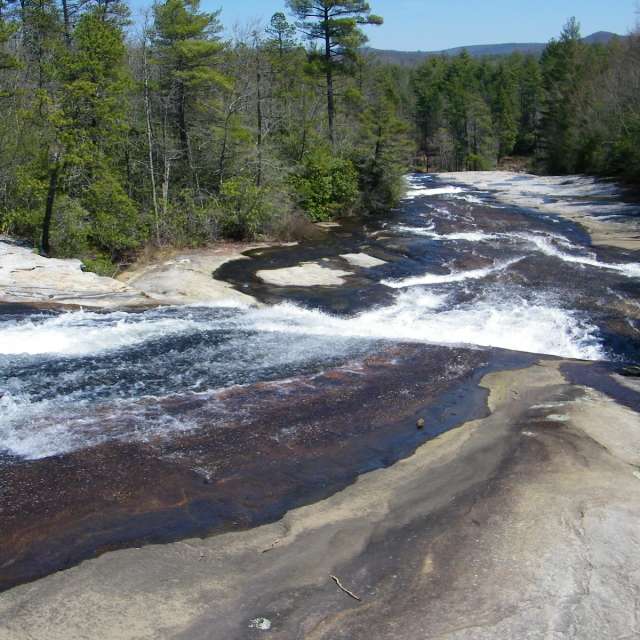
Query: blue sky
{"type": "Point", "coordinates": [438, 24]}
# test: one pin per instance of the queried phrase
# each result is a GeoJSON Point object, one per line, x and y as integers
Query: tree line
{"type": "Point", "coordinates": [116, 137]}
{"type": "Point", "coordinates": [575, 109]}
{"type": "Point", "coordinates": [178, 136]}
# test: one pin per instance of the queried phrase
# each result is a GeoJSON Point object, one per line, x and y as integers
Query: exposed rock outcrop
{"type": "Point", "coordinates": [185, 277]}
{"type": "Point", "coordinates": [523, 524]}
{"type": "Point", "coordinates": [30, 278]}
{"type": "Point", "coordinates": [592, 203]}
{"type": "Point", "coordinates": [180, 278]}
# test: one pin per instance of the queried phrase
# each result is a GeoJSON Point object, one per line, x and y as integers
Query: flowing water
{"type": "Point", "coordinates": [462, 270]}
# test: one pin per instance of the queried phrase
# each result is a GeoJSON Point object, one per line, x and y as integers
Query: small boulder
{"type": "Point", "coordinates": [420, 423]}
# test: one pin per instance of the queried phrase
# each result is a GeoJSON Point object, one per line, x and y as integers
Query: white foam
{"type": "Point", "coordinates": [38, 426]}
{"type": "Point", "coordinates": [80, 333]}
{"type": "Point", "coordinates": [417, 231]}
{"type": "Point", "coordinates": [453, 276]}
{"type": "Point", "coordinates": [509, 322]}
{"type": "Point", "coordinates": [39, 429]}
{"type": "Point", "coordinates": [545, 244]}
{"type": "Point", "coordinates": [416, 192]}
{"type": "Point", "coordinates": [470, 199]}
{"type": "Point", "coordinates": [468, 236]}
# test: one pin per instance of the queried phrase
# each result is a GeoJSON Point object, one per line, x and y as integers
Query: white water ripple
{"type": "Point", "coordinates": [423, 316]}
{"type": "Point", "coordinates": [453, 276]}
{"type": "Point", "coordinates": [545, 244]}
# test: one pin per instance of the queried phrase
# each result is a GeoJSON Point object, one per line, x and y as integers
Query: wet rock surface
{"type": "Point", "coordinates": [397, 455]}
{"type": "Point", "coordinates": [290, 443]}
{"type": "Point", "coordinates": [607, 212]}
{"type": "Point", "coordinates": [519, 524]}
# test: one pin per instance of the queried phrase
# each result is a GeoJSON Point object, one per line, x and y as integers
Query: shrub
{"type": "Point", "coordinates": [69, 228]}
{"type": "Point", "coordinates": [381, 184]}
{"type": "Point", "coordinates": [326, 186]}
{"type": "Point", "coordinates": [245, 208]}
{"type": "Point", "coordinates": [116, 226]}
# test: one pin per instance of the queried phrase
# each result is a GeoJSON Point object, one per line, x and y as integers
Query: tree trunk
{"type": "Point", "coordinates": [167, 159]}
{"type": "Point", "coordinates": [51, 199]}
{"type": "Point", "coordinates": [378, 148]}
{"type": "Point", "coordinates": [223, 149]}
{"type": "Point", "coordinates": [303, 142]}
{"type": "Point", "coordinates": [329, 72]}
{"type": "Point", "coordinates": [147, 112]}
{"type": "Point", "coordinates": [67, 22]}
{"type": "Point", "coordinates": [259, 117]}
{"type": "Point", "coordinates": [184, 137]}
{"type": "Point", "coordinates": [165, 186]}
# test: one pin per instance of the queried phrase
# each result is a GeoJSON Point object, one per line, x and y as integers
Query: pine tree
{"type": "Point", "coordinates": [562, 74]}
{"type": "Point", "coordinates": [530, 94]}
{"type": "Point", "coordinates": [282, 33]}
{"type": "Point", "coordinates": [336, 23]}
{"type": "Point", "coordinates": [187, 47]}
{"type": "Point", "coordinates": [7, 30]}
{"type": "Point", "coordinates": [384, 146]}
{"type": "Point", "coordinates": [89, 125]}
{"type": "Point", "coordinates": [505, 110]}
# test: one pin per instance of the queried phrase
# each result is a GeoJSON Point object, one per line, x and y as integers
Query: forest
{"type": "Point", "coordinates": [121, 134]}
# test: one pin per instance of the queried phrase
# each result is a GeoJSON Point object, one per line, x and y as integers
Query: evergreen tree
{"type": "Point", "coordinates": [182, 138]}
{"type": "Point", "coordinates": [530, 95]}
{"type": "Point", "coordinates": [505, 110]}
{"type": "Point", "coordinates": [187, 48]}
{"type": "Point", "coordinates": [336, 24]}
{"type": "Point", "coordinates": [282, 33]}
{"type": "Point", "coordinates": [7, 30]}
{"type": "Point", "coordinates": [562, 73]}
{"type": "Point", "coordinates": [88, 122]}
{"type": "Point", "coordinates": [384, 148]}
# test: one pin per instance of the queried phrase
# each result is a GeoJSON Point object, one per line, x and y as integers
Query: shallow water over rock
{"type": "Point", "coordinates": [178, 421]}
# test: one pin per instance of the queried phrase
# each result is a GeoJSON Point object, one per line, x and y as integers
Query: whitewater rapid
{"type": "Point", "coordinates": [471, 275]}
{"type": "Point", "coordinates": [420, 315]}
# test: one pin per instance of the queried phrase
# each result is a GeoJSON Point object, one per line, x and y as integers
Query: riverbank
{"type": "Point", "coordinates": [594, 204]}
{"type": "Point", "coordinates": [184, 276]}
{"type": "Point", "coordinates": [169, 277]}
{"type": "Point", "coordinates": [166, 276]}
{"type": "Point", "coordinates": [520, 524]}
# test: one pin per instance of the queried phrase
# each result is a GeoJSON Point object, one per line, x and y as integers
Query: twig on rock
{"type": "Point", "coordinates": [273, 545]}
{"type": "Point", "coordinates": [342, 588]}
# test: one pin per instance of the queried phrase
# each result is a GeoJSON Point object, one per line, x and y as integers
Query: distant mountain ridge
{"type": "Point", "coordinates": [410, 58]}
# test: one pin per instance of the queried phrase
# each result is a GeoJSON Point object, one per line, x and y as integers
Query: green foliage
{"type": "Point", "coordinates": [336, 24]}
{"type": "Point", "coordinates": [100, 264]}
{"type": "Point", "coordinates": [115, 227]}
{"type": "Point", "coordinates": [24, 218]}
{"type": "Point", "coordinates": [186, 44]}
{"type": "Point", "coordinates": [7, 60]}
{"type": "Point", "coordinates": [563, 73]}
{"type": "Point", "coordinates": [282, 34]}
{"type": "Point", "coordinates": [338, 20]}
{"type": "Point", "coordinates": [245, 208]}
{"type": "Point", "coordinates": [466, 111]}
{"type": "Point", "coordinates": [327, 185]}
{"type": "Point", "coordinates": [181, 138]}
{"type": "Point", "coordinates": [384, 149]}
{"type": "Point", "coordinates": [187, 49]}
{"type": "Point", "coordinates": [93, 114]}
{"type": "Point", "coordinates": [70, 229]}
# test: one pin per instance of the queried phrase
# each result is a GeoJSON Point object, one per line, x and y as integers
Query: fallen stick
{"type": "Point", "coordinates": [272, 546]}
{"type": "Point", "coordinates": [341, 587]}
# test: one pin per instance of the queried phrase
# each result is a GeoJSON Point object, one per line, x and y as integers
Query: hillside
{"type": "Point", "coordinates": [411, 58]}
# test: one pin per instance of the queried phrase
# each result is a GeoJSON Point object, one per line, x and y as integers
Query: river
{"type": "Point", "coordinates": [461, 282]}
